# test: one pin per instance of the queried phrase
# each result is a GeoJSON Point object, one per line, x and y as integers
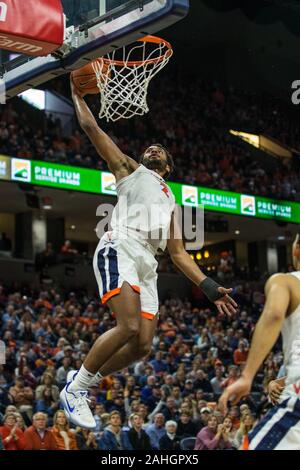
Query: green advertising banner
{"type": "Point", "coordinates": [101, 182]}
{"type": "Point", "coordinates": [65, 177]}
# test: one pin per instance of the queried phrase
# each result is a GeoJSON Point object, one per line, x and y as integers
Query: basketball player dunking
{"type": "Point", "coordinates": [125, 266]}
{"type": "Point", "coordinates": [280, 428]}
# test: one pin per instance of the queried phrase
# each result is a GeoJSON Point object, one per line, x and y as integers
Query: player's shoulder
{"type": "Point", "coordinates": [282, 279]}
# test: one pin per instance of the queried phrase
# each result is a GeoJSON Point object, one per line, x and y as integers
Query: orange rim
{"type": "Point", "coordinates": [133, 63]}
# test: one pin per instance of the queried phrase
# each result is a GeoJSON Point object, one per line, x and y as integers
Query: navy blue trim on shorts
{"type": "Point", "coordinates": [101, 267]}
{"type": "Point", "coordinates": [280, 429]}
{"type": "Point", "coordinates": [113, 269]}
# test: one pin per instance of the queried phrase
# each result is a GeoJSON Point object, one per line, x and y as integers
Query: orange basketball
{"type": "Point", "coordinates": [85, 78]}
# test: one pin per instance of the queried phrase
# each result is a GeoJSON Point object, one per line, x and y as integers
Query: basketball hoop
{"type": "Point", "coordinates": [123, 77]}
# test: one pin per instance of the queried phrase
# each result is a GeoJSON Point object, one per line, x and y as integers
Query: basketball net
{"type": "Point", "coordinates": [123, 81]}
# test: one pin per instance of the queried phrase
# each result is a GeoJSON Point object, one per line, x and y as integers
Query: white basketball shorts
{"type": "Point", "coordinates": [280, 427]}
{"type": "Point", "coordinates": [119, 259]}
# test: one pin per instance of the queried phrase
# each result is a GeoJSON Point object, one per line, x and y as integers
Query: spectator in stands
{"type": "Point", "coordinates": [20, 421]}
{"type": "Point", "coordinates": [37, 436]}
{"type": "Point", "coordinates": [170, 410]}
{"type": "Point", "coordinates": [241, 436]}
{"type": "Point", "coordinates": [240, 355]}
{"type": "Point", "coordinates": [138, 438]}
{"type": "Point", "coordinates": [64, 437]}
{"type": "Point", "coordinates": [113, 437]}
{"type": "Point", "coordinates": [47, 381]}
{"type": "Point", "coordinates": [156, 430]}
{"type": "Point", "coordinates": [5, 243]}
{"type": "Point", "coordinates": [232, 376]}
{"type": "Point", "coordinates": [214, 436]}
{"type": "Point", "coordinates": [86, 440]}
{"type": "Point", "coordinates": [216, 381]}
{"type": "Point", "coordinates": [12, 436]}
{"type": "Point", "coordinates": [62, 372]}
{"type": "Point", "coordinates": [22, 396]}
{"type": "Point", "coordinates": [186, 427]}
{"type": "Point", "coordinates": [170, 441]}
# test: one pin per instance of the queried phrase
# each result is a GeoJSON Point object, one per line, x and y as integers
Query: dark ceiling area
{"type": "Point", "coordinates": [249, 44]}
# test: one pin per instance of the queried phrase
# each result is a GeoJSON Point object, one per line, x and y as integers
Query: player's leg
{"type": "Point", "coordinates": [126, 306]}
{"type": "Point", "coordinates": [74, 396]}
{"type": "Point", "coordinates": [140, 345]}
{"type": "Point", "coordinates": [137, 348]}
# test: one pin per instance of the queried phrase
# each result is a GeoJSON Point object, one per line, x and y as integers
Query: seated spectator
{"type": "Point", "coordinates": [138, 438]}
{"type": "Point", "coordinates": [47, 404]}
{"type": "Point", "coordinates": [47, 381]}
{"type": "Point", "coordinates": [113, 437]}
{"type": "Point", "coordinates": [86, 440]}
{"type": "Point", "coordinates": [169, 410]}
{"type": "Point", "coordinates": [12, 436]}
{"type": "Point", "coordinates": [22, 396]}
{"type": "Point", "coordinates": [240, 355]}
{"type": "Point", "coordinates": [64, 437]}
{"type": "Point", "coordinates": [241, 436]}
{"type": "Point", "coordinates": [216, 381]}
{"type": "Point", "coordinates": [5, 243]}
{"type": "Point", "coordinates": [213, 436]}
{"type": "Point", "coordinates": [46, 257]}
{"type": "Point", "coordinates": [62, 372]}
{"type": "Point", "coordinates": [229, 430]}
{"type": "Point", "coordinates": [233, 375]}
{"type": "Point", "coordinates": [20, 422]}
{"type": "Point", "coordinates": [202, 382]}
{"type": "Point", "coordinates": [186, 427]}
{"type": "Point", "coordinates": [170, 441]}
{"type": "Point", "coordinates": [156, 430]}
{"type": "Point", "coordinates": [158, 364]}
{"type": "Point", "coordinates": [202, 420]}
{"type": "Point", "coordinates": [37, 436]}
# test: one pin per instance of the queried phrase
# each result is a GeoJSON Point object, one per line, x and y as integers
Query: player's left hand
{"type": "Point", "coordinates": [234, 393]}
{"type": "Point", "coordinates": [226, 304]}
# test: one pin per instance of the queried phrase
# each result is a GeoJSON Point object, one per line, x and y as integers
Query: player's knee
{"type": "Point", "coordinates": [132, 329]}
{"type": "Point", "coordinates": [144, 348]}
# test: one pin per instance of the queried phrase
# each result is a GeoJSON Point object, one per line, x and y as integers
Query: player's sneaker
{"type": "Point", "coordinates": [76, 405]}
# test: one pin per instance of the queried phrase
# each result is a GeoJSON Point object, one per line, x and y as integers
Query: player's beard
{"type": "Point", "coordinates": [155, 165]}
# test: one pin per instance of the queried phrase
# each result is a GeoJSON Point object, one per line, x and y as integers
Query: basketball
{"type": "Point", "coordinates": [85, 78]}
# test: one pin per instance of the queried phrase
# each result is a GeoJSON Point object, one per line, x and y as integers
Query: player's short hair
{"type": "Point", "coordinates": [170, 159]}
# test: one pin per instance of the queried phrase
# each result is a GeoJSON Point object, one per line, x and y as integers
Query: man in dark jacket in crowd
{"type": "Point", "coordinates": [137, 437]}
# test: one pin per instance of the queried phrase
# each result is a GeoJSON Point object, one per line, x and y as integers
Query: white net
{"type": "Point", "coordinates": [124, 75]}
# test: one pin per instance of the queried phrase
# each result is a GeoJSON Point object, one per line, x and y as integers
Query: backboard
{"type": "Point", "coordinates": [93, 28]}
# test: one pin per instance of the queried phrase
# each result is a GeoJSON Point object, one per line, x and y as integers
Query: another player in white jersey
{"type": "Point", "coordinates": [125, 264]}
{"type": "Point", "coordinates": [280, 428]}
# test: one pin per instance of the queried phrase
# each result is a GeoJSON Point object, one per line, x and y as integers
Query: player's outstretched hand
{"type": "Point", "coordinates": [234, 393]}
{"type": "Point", "coordinates": [274, 391]}
{"type": "Point", "coordinates": [226, 304]}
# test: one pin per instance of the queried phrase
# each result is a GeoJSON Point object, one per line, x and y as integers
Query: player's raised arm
{"type": "Point", "coordinates": [119, 164]}
{"type": "Point", "coordinates": [180, 257]}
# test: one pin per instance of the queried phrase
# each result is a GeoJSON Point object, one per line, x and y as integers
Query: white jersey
{"type": "Point", "coordinates": [291, 343]}
{"type": "Point", "coordinates": [144, 208]}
